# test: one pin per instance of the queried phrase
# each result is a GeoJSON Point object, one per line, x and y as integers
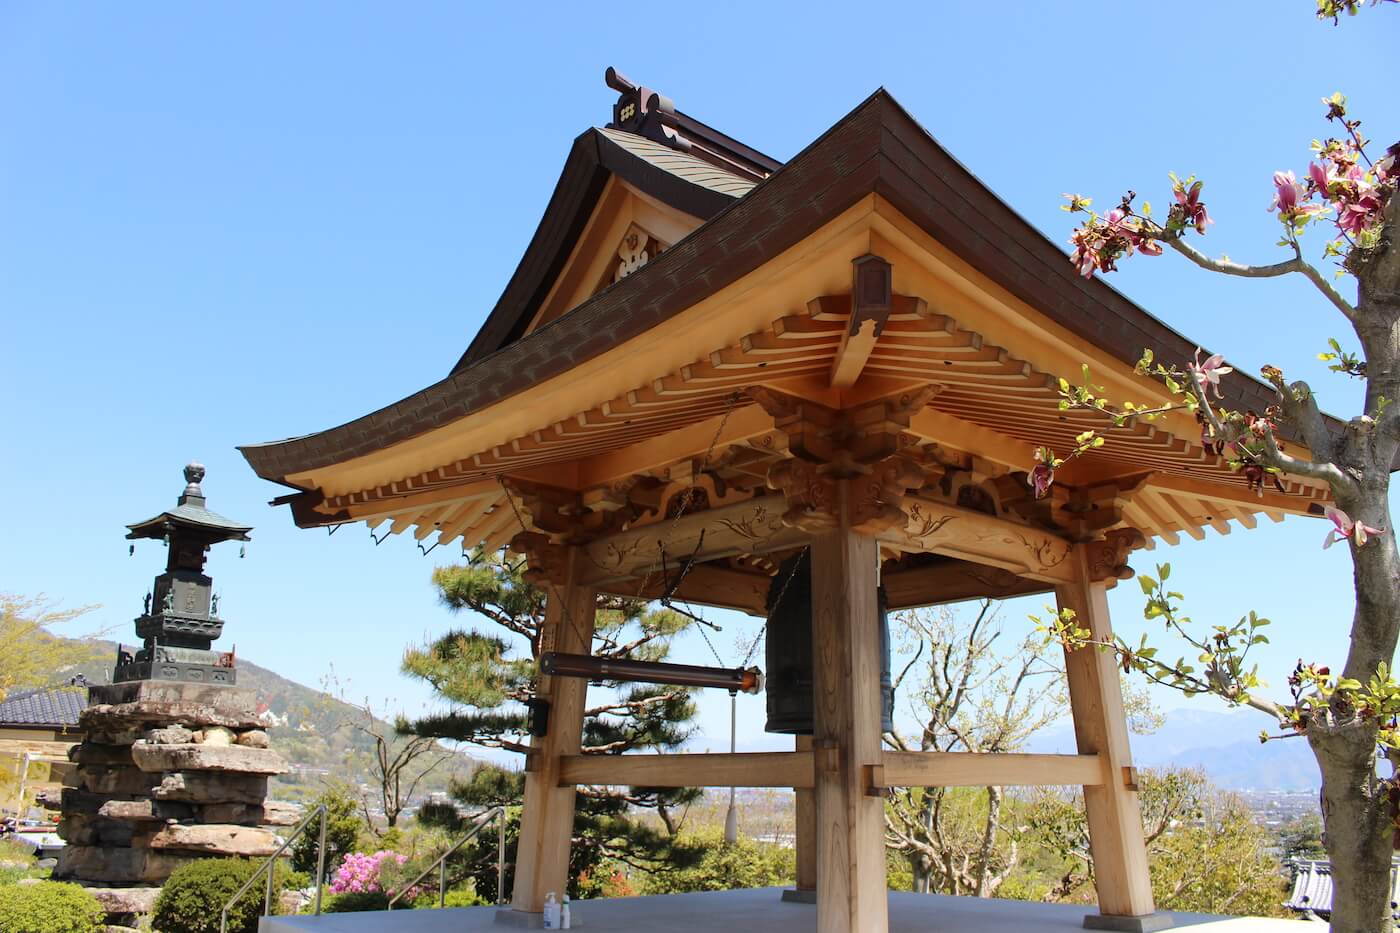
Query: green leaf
{"type": "Point", "coordinates": [1147, 583]}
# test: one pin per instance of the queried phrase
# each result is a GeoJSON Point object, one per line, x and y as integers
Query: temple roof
{"type": "Point", "coordinates": [57, 707]}
{"type": "Point", "coordinates": [687, 165]}
{"type": "Point", "coordinates": [877, 148]}
{"type": "Point", "coordinates": [751, 214]}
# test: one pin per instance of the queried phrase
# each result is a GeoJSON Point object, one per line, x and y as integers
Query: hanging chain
{"type": "Point", "coordinates": [686, 499]}
{"type": "Point", "coordinates": [758, 637]}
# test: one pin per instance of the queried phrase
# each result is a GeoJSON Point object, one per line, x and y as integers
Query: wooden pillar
{"type": "Point", "coordinates": [1101, 728]}
{"type": "Point", "coordinates": [547, 818]}
{"type": "Point", "coordinates": [851, 895]}
{"type": "Point", "coordinates": [805, 843]}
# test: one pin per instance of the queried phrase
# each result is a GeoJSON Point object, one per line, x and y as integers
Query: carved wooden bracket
{"type": "Point", "coordinates": [565, 515]}
{"type": "Point", "coordinates": [848, 440]}
{"type": "Point", "coordinates": [875, 498]}
{"type": "Point", "coordinates": [1108, 557]}
{"type": "Point", "coordinates": [545, 561]}
{"type": "Point", "coordinates": [811, 496]}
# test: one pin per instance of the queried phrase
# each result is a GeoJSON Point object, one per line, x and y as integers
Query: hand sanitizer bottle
{"type": "Point", "coordinates": [566, 922]}
{"type": "Point", "coordinates": [551, 912]}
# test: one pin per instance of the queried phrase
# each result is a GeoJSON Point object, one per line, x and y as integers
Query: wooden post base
{"type": "Point", "coordinates": [799, 896]}
{"type": "Point", "coordinates": [1149, 923]}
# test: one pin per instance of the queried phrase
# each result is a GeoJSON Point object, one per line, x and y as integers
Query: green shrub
{"type": "Point", "coordinates": [194, 896]}
{"type": "Point", "coordinates": [355, 901]}
{"type": "Point", "coordinates": [715, 865]}
{"type": "Point", "coordinates": [344, 825]}
{"type": "Point", "coordinates": [49, 907]}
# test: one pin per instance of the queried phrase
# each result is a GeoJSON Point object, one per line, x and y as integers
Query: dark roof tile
{"type": "Point", "coordinates": [54, 707]}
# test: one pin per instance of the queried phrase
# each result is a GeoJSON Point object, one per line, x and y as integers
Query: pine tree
{"type": "Point", "coordinates": [489, 677]}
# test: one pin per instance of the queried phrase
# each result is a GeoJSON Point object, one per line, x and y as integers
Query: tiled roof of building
{"type": "Point", "coordinates": [1312, 887]}
{"type": "Point", "coordinates": [54, 707]}
{"type": "Point", "coordinates": [681, 164]}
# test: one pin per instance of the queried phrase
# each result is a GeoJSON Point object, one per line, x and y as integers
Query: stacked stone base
{"type": "Point", "coordinates": [167, 773]}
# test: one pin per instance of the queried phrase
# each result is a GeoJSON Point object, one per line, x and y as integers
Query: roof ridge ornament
{"type": "Point", "coordinates": [645, 112]}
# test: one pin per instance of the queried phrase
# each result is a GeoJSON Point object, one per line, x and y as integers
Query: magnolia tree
{"type": "Point", "coordinates": [1349, 717]}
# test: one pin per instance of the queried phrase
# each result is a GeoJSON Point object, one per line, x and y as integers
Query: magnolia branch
{"type": "Point", "coordinates": [1296, 264]}
{"type": "Point", "coordinates": [1270, 452]}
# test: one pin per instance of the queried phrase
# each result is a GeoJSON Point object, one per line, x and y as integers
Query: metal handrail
{"type": "Point", "coordinates": [271, 862]}
{"type": "Point", "coordinates": [483, 819]}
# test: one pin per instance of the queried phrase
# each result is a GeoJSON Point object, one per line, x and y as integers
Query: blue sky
{"type": "Point", "coordinates": [225, 224]}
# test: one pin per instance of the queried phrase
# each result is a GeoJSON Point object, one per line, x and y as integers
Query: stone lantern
{"type": "Point", "coordinates": [180, 621]}
{"type": "Point", "coordinates": [174, 762]}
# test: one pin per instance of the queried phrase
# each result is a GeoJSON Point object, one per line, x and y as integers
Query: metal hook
{"type": "Point", "coordinates": [380, 540]}
{"type": "Point", "coordinates": [427, 551]}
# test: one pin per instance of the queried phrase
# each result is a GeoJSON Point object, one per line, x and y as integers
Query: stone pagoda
{"type": "Point", "coordinates": [174, 763]}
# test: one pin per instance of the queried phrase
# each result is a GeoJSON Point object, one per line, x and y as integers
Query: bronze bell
{"type": "Point", "coordinates": [788, 651]}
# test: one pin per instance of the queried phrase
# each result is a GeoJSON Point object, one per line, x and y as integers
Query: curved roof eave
{"type": "Point", "coordinates": [876, 148]}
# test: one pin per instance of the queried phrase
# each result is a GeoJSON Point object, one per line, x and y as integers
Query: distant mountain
{"type": "Point", "coordinates": [310, 729]}
{"type": "Point", "coordinates": [1223, 744]}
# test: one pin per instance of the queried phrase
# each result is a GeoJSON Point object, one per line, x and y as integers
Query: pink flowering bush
{"type": "Point", "coordinates": [362, 873]}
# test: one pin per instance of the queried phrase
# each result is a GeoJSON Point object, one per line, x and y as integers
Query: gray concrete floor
{"type": "Point", "coordinates": [760, 909]}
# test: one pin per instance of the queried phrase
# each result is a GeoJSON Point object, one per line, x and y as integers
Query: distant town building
{"type": "Point", "coordinates": [39, 726]}
{"type": "Point", "coordinates": [1312, 888]}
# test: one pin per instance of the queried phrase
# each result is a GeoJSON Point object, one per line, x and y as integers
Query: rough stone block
{"type": "Point", "coordinates": [144, 714]}
{"type": "Point", "coordinates": [137, 900]}
{"type": "Point", "coordinates": [234, 758]}
{"type": "Point", "coordinates": [212, 787]}
{"type": "Point", "coordinates": [224, 699]}
{"type": "Point", "coordinates": [216, 736]}
{"type": "Point", "coordinates": [117, 780]}
{"type": "Point", "coordinates": [217, 839]}
{"type": "Point", "coordinates": [145, 811]}
{"type": "Point", "coordinates": [82, 830]}
{"type": "Point", "coordinates": [253, 738]}
{"type": "Point", "coordinates": [246, 814]}
{"type": "Point", "coordinates": [277, 813]}
{"type": "Point", "coordinates": [115, 865]}
{"type": "Point", "coordinates": [117, 735]}
{"type": "Point", "coordinates": [168, 735]}
{"type": "Point", "coordinates": [94, 753]}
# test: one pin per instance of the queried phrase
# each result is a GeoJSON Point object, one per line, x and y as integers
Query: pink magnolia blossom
{"type": "Point", "coordinates": [1346, 528]}
{"type": "Point", "coordinates": [1042, 474]}
{"type": "Point", "coordinates": [1191, 207]}
{"type": "Point", "coordinates": [1209, 372]}
{"type": "Point", "coordinates": [1318, 173]}
{"type": "Point", "coordinates": [1291, 196]}
{"type": "Point", "coordinates": [1355, 215]}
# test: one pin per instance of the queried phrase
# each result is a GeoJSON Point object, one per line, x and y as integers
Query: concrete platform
{"type": "Point", "coordinates": [759, 909]}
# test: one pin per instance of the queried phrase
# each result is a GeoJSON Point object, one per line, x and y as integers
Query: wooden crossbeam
{"type": "Point", "coordinates": [755, 526]}
{"type": "Point", "coordinates": [795, 769]}
{"type": "Point", "coordinates": [939, 528]}
{"type": "Point", "coordinates": [964, 769]}
{"type": "Point", "coordinates": [953, 581]}
{"type": "Point", "coordinates": [743, 769]}
{"type": "Point", "coordinates": [705, 585]}
{"type": "Point", "coordinates": [751, 527]}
